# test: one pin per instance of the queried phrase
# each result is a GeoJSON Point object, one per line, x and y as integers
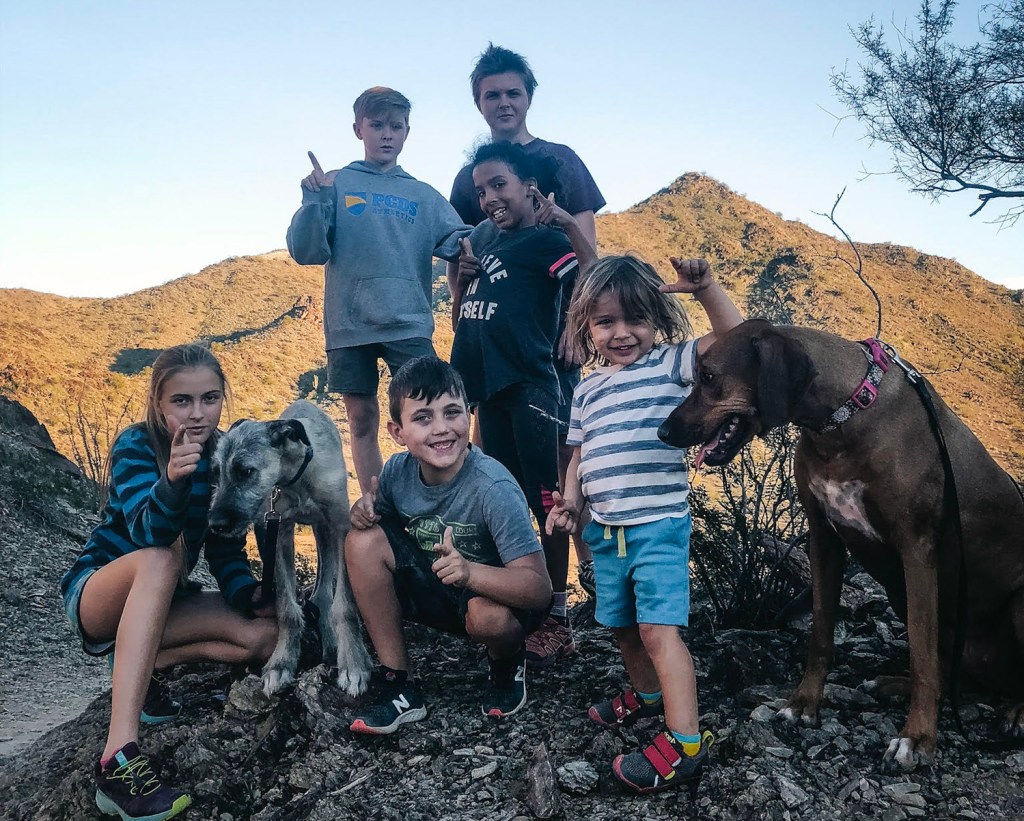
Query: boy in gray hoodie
{"type": "Point", "coordinates": [377, 229]}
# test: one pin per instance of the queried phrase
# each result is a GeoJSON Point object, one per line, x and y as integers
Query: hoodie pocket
{"type": "Point", "coordinates": [385, 301]}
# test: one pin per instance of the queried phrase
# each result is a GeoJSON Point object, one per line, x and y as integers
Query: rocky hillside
{"type": "Point", "coordinates": [67, 359]}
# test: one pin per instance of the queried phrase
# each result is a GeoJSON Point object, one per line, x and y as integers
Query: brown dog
{"type": "Point", "coordinates": [870, 478]}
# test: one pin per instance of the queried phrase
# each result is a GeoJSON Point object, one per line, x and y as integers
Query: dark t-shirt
{"type": "Point", "coordinates": [509, 313]}
{"type": "Point", "coordinates": [579, 192]}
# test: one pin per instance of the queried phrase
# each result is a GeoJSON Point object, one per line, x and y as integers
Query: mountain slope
{"type": "Point", "coordinates": [70, 360]}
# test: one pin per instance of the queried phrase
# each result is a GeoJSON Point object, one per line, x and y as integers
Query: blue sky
{"type": "Point", "coordinates": [142, 141]}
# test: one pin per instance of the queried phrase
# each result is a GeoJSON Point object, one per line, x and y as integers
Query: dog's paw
{"type": "Point", "coordinates": [799, 710]}
{"type": "Point", "coordinates": [276, 679]}
{"type": "Point", "coordinates": [905, 754]}
{"type": "Point", "coordinates": [1013, 723]}
{"type": "Point", "coordinates": [887, 686]}
{"type": "Point", "coordinates": [353, 681]}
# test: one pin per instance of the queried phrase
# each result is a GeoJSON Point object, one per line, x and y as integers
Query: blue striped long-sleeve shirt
{"type": "Point", "coordinates": [144, 509]}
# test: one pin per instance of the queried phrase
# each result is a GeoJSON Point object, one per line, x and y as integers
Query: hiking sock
{"type": "Point", "coordinates": [690, 743]}
{"type": "Point", "coordinates": [392, 675]}
{"type": "Point", "coordinates": [558, 606]}
{"type": "Point", "coordinates": [649, 698]}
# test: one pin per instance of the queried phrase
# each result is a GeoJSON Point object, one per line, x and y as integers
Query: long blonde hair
{"type": "Point", "coordinates": [170, 362]}
{"type": "Point", "coordinates": [635, 284]}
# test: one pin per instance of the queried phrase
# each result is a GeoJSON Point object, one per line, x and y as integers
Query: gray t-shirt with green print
{"type": "Point", "coordinates": [483, 505]}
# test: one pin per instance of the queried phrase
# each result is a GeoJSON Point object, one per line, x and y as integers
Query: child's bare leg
{"type": "Point", "coordinates": [674, 668]}
{"type": "Point", "coordinates": [364, 423]}
{"type": "Point", "coordinates": [371, 567]}
{"type": "Point", "coordinates": [639, 666]}
{"type": "Point", "coordinates": [203, 627]}
{"type": "Point", "coordinates": [494, 626]}
{"type": "Point", "coordinates": [128, 600]}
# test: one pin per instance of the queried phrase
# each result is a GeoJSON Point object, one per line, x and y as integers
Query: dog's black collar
{"type": "Point", "coordinates": [867, 392]}
{"type": "Point", "coordinates": [302, 468]}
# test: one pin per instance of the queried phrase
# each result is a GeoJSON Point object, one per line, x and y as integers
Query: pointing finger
{"type": "Point", "coordinates": [374, 485]}
{"type": "Point", "coordinates": [466, 246]}
{"type": "Point", "coordinates": [184, 436]}
{"type": "Point", "coordinates": [316, 165]}
{"type": "Point", "coordinates": [179, 436]}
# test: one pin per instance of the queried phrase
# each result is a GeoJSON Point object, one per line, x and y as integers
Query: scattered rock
{"type": "Point", "coordinates": [577, 777]}
{"type": "Point", "coordinates": [792, 795]}
{"type": "Point", "coordinates": [541, 794]}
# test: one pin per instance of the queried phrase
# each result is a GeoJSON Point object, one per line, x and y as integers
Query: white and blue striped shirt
{"type": "Point", "coordinates": [629, 476]}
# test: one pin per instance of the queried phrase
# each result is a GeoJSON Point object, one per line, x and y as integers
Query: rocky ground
{"type": "Point", "coordinates": [293, 757]}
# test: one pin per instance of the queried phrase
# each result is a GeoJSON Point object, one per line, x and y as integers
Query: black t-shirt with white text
{"type": "Point", "coordinates": [509, 313]}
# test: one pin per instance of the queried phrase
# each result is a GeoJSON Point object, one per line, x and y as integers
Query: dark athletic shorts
{"type": "Point", "coordinates": [425, 599]}
{"type": "Point", "coordinates": [354, 370]}
{"type": "Point", "coordinates": [524, 439]}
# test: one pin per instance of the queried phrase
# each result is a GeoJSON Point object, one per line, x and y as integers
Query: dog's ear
{"type": "Point", "coordinates": [784, 373]}
{"type": "Point", "coordinates": [238, 422]}
{"type": "Point", "coordinates": [287, 430]}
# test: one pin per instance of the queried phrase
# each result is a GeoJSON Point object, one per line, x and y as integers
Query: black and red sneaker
{"type": "Point", "coordinates": [395, 700]}
{"type": "Point", "coordinates": [664, 765]}
{"type": "Point", "coordinates": [624, 710]}
{"type": "Point", "coordinates": [506, 686]}
{"type": "Point", "coordinates": [127, 786]}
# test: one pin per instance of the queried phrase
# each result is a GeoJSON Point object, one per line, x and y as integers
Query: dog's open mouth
{"type": "Point", "coordinates": [723, 445]}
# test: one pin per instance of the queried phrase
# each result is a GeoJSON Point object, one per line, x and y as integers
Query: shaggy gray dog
{"type": "Point", "coordinates": [297, 457]}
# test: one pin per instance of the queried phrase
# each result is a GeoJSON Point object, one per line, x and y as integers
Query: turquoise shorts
{"type": "Point", "coordinates": [642, 572]}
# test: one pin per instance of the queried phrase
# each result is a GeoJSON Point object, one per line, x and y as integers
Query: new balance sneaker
{"type": "Point", "coordinates": [664, 765]}
{"type": "Point", "coordinates": [552, 641]}
{"type": "Point", "coordinates": [158, 706]}
{"type": "Point", "coordinates": [624, 710]}
{"type": "Point", "coordinates": [396, 701]}
{"type": "Point", "coordinates": [506, 686]}
{"type": "Point", "coordinates": [127, 786]}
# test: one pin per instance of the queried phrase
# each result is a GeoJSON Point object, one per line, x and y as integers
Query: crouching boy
{"type": "Point", "coordinates": [443, 538]}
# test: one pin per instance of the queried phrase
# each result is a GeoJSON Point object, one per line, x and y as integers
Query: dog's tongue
{"type": "Point", "coordinates": [701, 454]}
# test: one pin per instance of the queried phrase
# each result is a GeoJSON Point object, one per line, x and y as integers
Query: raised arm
{"type": "Point", "coordinates": [693, 276]}
{"type": "Point", "coordinates": [550, 213]}
{"type": "Point", "coordinates": [310, 235]}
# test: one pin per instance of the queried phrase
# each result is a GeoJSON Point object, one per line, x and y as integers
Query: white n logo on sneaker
{"type": "Point", "coordinates": [401, 703]}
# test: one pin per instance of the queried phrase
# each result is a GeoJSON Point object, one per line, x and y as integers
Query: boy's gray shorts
{"type": "Point", "coordinates": [355, 370]}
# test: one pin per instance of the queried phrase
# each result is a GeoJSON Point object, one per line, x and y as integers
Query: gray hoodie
{"type": "Point", "coordinates": [377, 232]}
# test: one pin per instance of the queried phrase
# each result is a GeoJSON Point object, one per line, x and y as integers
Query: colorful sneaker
{"type": "Point", "coordinates": [664, 765]}
{"type": "Point", "coordinates": [396, 701]}
{"type": "Point", "coordinates": [624, 710]}
{"type": "Point", "coordinates": [585, 576]}
{"type": "Point", "coordinates": [552, 641]}
{"type": "Point", "coordinates": [506, 687]}
{"type": "Point", "coordinates": [158, 706]}
{"type": "Point", "coordinates": [127, 786]}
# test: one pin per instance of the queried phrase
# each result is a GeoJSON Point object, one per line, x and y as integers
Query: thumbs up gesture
{"type": "Point", "coordinates": [318, 179]}
{"type": "Point", "coordinates": [184, 456]}
{"type": "Point", "coordinates": [364, 512]}
{"type": "Point", "coordinates": [451, 567]}
{"type": "Point", "coordinates": [469, 265]}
